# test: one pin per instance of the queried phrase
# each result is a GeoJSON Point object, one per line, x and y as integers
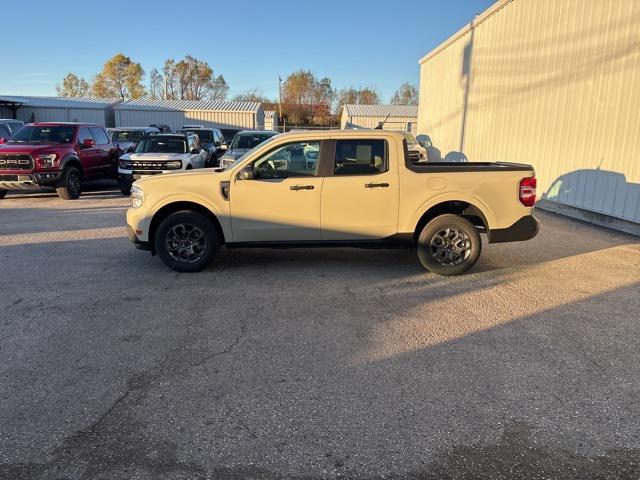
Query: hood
{"type": "Point", "coordinates": [152, 157]}
{"type": "Point", "coordinates": [30, 148]}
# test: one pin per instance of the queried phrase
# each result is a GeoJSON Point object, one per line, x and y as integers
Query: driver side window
{"type": "Point", "coordinates": [299, 159]}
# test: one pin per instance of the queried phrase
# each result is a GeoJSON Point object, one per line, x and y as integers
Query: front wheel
{"type": "Point", "coordinates": [186, 241]}
{"type": "Point", "coordinates": [449, 245]}
{"type": "Point", "coordinates": [70, 186]}
{"type": "Point", "coordinates": [3, 193]}
{"type": "Point", "coordinates": [125, 187]}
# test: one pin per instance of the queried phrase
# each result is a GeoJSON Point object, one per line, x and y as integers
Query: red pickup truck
{"type": "Point", "coordinates": [58, 155]}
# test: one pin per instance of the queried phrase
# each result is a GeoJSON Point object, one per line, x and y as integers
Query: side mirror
{"type": "Point", "coordinates": [224, 146]}
{"type": "Point", "coordinates": [87, 143]}
{"type": "Point", "coordinates": [195, 151]}
{"type": "Point", "coordinates": [245, 174]}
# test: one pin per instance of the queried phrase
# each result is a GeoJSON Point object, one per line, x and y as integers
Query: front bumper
{"type": "Point", "coordinates": [139, 244]}
{"type": "Point", "coordinates": [524, 229]}
{"type": "Point", "coordinates": [27, 181]}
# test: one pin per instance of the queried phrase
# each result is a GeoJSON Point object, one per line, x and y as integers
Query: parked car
{"type": "Point", "coordinates": [8, 127]}
{"type": "Point", "coordinates": [58, 155]}
{"type": "Point", "coordinates": [229, 133]}
{"type": "Point", "coordinates": [160, 153]}
{"type": "Point", "coordinates": [126, 138]}
{"type": "Point", "coordinates": [211, 139]}
{"type": "Point", "coordinates": [363, 191]}
{"type": "Point", "coordinates": [244, 141]}
{"type": "Point", "coordinates": [163, 127]}
{"type": "Point", "coordinates": [416, 151]}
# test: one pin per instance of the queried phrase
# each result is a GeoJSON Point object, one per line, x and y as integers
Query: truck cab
{"type": "Point", "coordinates": [57, 155]}
{"type": "Point", "coordinates": [362, 189]}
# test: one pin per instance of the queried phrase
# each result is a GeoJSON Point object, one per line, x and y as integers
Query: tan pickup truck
{"type": "Point", "coordinates": [355, 188]}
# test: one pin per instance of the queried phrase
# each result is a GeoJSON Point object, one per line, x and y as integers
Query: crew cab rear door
{"type": "Point", "coordinates": [360, 194]}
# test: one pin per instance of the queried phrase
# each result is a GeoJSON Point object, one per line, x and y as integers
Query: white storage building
{"type": "Point", "coordinates": [555, 84]}
{"type": "Point", "coordinates": [270, 120]}
{"type": "Point", "coordinates": [176, 113]}
{"type": "Point", "coordinates": [58, 109]}
{"type": "Point", "coordinates": [398, 117]}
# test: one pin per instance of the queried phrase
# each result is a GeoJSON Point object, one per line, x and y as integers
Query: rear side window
{"type": "Point", "coordinates": [360, 157]}
{"type": "Point", "coordinates": [15, 127]}
{"type": "Point", "coordinates": [4, 132]}
{"type": "Point", "coordinates": [84, 134]}
{"type": "Point", "coordinates": [99, 135]}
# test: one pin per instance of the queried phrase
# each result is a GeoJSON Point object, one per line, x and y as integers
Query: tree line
{"type": "Point", "coordinates": [305, 99]}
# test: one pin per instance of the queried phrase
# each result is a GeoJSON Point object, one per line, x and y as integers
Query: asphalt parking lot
{"type": "Point", "coordinates": [312, 363]}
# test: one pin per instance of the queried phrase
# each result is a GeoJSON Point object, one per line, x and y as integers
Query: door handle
{"type": "Point", "coordinates": [376, 185]}
{"type": "Point", "coordinates": [301, 187]}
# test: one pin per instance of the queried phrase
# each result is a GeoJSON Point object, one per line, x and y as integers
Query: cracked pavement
{"type": "Point", "coordinates": [308, 364]}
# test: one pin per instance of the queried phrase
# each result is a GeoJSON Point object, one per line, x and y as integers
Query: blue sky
{"type": "Point", "coordinates": [360, 43]}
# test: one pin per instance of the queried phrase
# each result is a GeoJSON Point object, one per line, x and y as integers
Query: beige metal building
{"type": "Point", "coordinates": [59, 109]}
{"type": "Point", "coordinates": [400, 117]}
{"type": "Point", "coordinates": [553, 83]}
{"type": "Point", "coordinates": [177, 113]}
{"type": "Point", "coordinates": [270, 120]}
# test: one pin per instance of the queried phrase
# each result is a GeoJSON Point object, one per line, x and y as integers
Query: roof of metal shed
{"type": "Point", "coordinates": [193, 105]}
{"type": "Point", "coordinates": [381, 110]}
{"type": "Point", "coordinates": [61, 102]}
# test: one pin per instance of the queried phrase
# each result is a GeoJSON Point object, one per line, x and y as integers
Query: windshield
{"type": "Point", "coordinates": [133, 136]}
{"type": "Point", "coordinates": [44, 133]}
{"type": "Point", "coordinates": [161, 145]}
{"type": "Point", "coordinates": [410, 139]}
{"type": "Point", "coordinates": [249, 141]}
{"type": "Point", "coordinates": [205, 136]}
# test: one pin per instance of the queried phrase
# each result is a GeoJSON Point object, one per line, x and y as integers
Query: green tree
{"type": "Point", "coordinates": [73, 86]}
{"type": "Point", "coordinates": [120, 78]}
{"type": "Point", "coordinates": [407, 94]}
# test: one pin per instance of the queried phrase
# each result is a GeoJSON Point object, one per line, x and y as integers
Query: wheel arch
{"type": "Point", "coordinates": [463, 208]}
{"type": "Point", "coordinates": [179, 205]}
{"type": "Point", "coordinates": [71, 161]}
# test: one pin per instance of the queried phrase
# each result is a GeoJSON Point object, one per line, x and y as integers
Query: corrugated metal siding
{"type": "Point", "coordinates": [357, 110]}
{"type": "Point", "coordinates": [190, 105]}
{"type": "Point", "coordinates": [554, 84]}
{"type": "Point", "coordinates": [86, 115]}
{"type": "Point", "coordinates": [176, 119]}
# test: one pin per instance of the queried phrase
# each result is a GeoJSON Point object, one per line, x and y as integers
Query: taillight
{"type": "Point", "coordinates": [528, 191]}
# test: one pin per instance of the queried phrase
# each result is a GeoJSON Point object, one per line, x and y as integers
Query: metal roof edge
{"type": "Point", "coordinates": [474, 23]}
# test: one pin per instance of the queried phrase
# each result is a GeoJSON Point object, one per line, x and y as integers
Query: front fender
{"type": "Point", "coordinates": [222, 214]}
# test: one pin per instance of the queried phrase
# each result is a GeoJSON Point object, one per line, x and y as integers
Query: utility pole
{"type": "Point", "coordinates": [280, 98]}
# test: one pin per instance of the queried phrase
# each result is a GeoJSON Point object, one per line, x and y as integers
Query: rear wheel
{"type": "Point", "coordinates": [186, 241]}
{"type": "Point", "coordinates": [70, 186]}
{"type": "Point", "coordinates": [3, 193]}
{"type": "Point", "coordinates": [449, 245]}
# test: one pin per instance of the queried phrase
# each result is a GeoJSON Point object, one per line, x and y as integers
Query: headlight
{"type": "Point", "coordinates": [47, 161]}
{"type": "Point", "coordinates": [137, 197]}
{"type": "Point", "coordinates": [175, 164]}
{"type": "Point", "coordinates": [126, 164]}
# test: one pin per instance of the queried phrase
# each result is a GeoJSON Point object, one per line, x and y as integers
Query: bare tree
{"type": "Point", "coordinates": [407, 94]}
{"type": "Point", "coordinates": [156, 84]}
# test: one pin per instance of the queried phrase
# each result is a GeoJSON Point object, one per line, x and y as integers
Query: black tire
{"type": "Point", "coordinates": [3, 193]}
{"type": "Point", "coordinates": [125, 187]}
{"type": "Point", "coordinates": [70, 186]}
{"type": "Point", "coordinates": [449, 245]}
{"type": "Point", "coordinates": [179, 244]}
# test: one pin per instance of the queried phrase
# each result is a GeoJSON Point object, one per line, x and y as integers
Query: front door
{"type": "Point", "coordinates": [281, 203]}
{"type": "Point", "coordinates": [360, 198]}
{"type": "Point", "coordinates": [90, 157]}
